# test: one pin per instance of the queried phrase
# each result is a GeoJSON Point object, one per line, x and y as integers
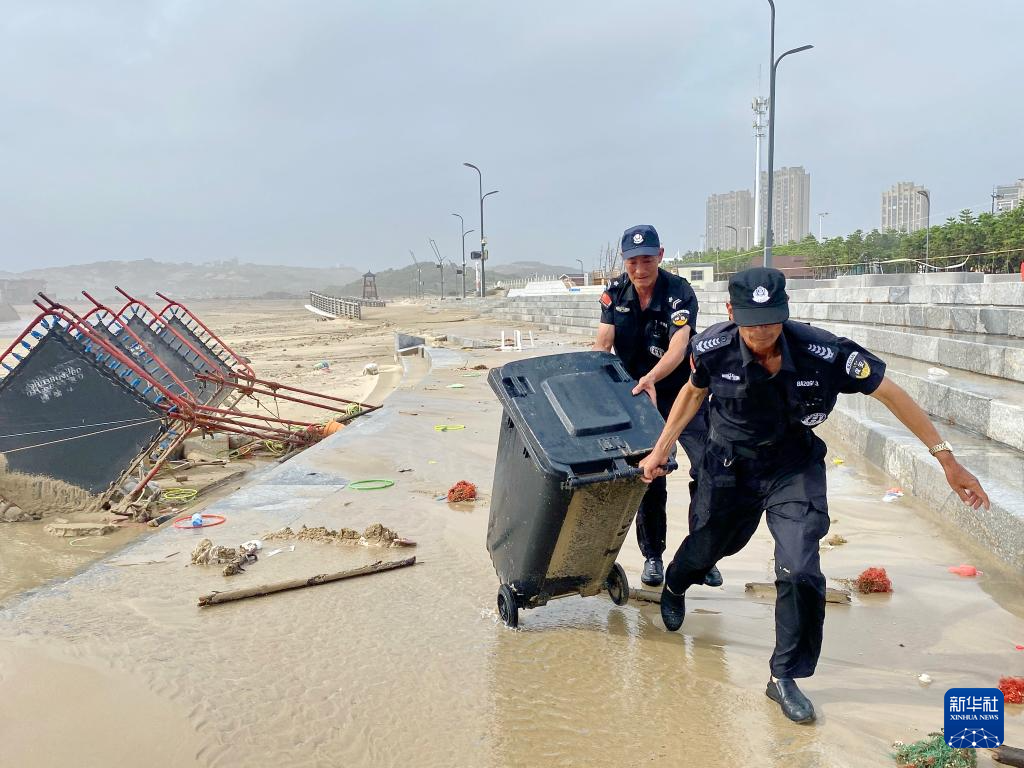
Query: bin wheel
{"type": "Point", "coordinates": [618, 587]}
{"type": "Point", "coordinates": [508, 607]}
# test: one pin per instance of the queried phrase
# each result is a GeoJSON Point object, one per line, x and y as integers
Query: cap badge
{"type": "Point", "coordinates": [637, 239]}
{"type": "Point", "coordinates": [761, 294]}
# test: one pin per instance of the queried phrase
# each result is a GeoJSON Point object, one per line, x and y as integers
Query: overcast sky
{"type": "Point", "coordinates": [334, 132]}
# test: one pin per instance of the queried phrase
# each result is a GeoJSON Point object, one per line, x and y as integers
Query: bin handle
{"type": "Point", "coordinates": [618, 473]}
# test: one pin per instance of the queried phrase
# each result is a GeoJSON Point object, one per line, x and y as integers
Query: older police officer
{"type": "Point", "coordinates": [647, 315]}
{"type": "Point", "coordinates": [772, 381]}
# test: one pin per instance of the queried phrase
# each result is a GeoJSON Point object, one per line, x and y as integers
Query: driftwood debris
{"type": "Point", "coordinates": [323, 578]}
{"type": "Point", "coordinates": [1009, 756]}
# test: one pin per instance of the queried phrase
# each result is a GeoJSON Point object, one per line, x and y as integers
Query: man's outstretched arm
{"type": "Point", "coordinates": [896, 399]}
{"type": "Point", "coordinates": [683, 410]}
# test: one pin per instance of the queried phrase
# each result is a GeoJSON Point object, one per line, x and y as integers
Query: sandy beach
{"type": "Point", "coordinates": [414, 667]}
{"type": "Point", "coordinates": [284, 343]}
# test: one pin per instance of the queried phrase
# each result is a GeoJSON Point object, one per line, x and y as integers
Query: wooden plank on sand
{"type": "Point", "coordinates": [323, 578]}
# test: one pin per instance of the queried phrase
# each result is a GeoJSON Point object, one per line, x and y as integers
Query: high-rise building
{"type": "Point", "coordinates": [791, 201]}
{"type": "Point", "coordinates": [904, 209]}
{"type": "Point", "coordinates": [733, 209]}
{"type": "Point", "coordinates": [1006, 197]}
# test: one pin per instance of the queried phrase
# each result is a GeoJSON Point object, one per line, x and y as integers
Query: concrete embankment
{"type": "Point", "coordinates": [957, 348]}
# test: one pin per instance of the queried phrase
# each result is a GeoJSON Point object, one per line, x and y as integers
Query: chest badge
{"type": "Point", "coordinates": [656, 351]}
{"type": "Point", "coordinates": [623, 310]}
{"type": "Point", "coordinates": [730, 376]}
{"type": "Point", "coordinates": [813, 419]}
{"type": "Point", "coordinates": [807, 383]}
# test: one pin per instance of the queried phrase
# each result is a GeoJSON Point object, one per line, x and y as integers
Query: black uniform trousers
{"type": "Point", "coordinates": [651, 519]}
{"type": "Point", "coordinates": [787, 482]}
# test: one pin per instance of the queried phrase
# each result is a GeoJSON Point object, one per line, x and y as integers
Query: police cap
{"type": "Point", "coordinates": [758, 297]}
{"type": "Point", "coordinates": [641, 240]}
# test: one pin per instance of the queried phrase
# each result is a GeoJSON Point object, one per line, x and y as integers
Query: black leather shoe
{"type": "Point", "coordinates": [713, 578]}
{"type": "Point", "coordinates": [654, 572]}
{"type": "Point", "coordinates": [673, 609]}
{"type": "Point", "coordinates": [795, 705]}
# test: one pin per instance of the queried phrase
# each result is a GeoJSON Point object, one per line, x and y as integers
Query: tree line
{"type": "Point", "coordinates": [988, 242]}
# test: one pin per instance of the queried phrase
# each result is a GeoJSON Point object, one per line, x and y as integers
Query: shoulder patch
{"type": "Point", "coordinates": [857, 366]}
{"type": "Point", "coordinates": [606, 300]}
{"type": "Point", "coordinates": [824, 352]}
{"type": "Point", "coordinates": [680, 317]}
{"type": "Point", "coordinates": [712, 342]}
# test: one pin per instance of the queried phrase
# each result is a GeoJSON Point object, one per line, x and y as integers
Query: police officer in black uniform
{"type": "Point", "coordinates": [772, 381]}
{"type": "Point", "coordinates": [647, 315]}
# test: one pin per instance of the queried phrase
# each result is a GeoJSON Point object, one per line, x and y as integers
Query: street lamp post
{"type": "Point", "coordinates": [769, 235]}
{"type": "Point", "coordinates": [462, 230]}
{"type": "Point", "coordinates": [419, 276]}
{"type": "Point", "coordinates": [583, 272]}
{"type": "Point", "coordinates": [483, 240]}
{"type": "Point", "coordinates": [821, 216]}
{"type": "Point", "coordinates": [735, 235]}
{"type": "Point", "coordinates": [927, 227]}
{"type": "Point", "coordinates": [440, 264]}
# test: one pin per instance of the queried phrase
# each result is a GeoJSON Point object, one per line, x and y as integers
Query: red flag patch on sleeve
{"type": "Point", "coordinates": [606, 300]}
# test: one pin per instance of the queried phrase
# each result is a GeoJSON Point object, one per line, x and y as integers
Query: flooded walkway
{"type": "Point", "coordinates": [413, 667]}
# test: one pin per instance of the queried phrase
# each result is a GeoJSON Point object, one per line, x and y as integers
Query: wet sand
{"type": "Point", "coordinates": [413, 667]}
{"type": "Point", "coordinates": [283, 341]}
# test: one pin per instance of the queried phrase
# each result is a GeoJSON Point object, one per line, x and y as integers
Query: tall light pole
{"type": "Point", "coordinates": [440, 264]}
{"type": "Point", "coordinates": [927, 227]}
{"type": "Point", "coordinates": [768, 234]}
{"type": "Point", "coordinates": [419, 276]}
{"type": "Point", "coordinates": [483, 240]}
{"type": "Point", "coordinates": [821, 216]}
{"type": "Point", "coordinates": [735, 236]}
{"type": "Point", "coordinates": [464, 231]}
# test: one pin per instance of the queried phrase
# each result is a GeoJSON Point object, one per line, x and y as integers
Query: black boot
{"type": "Point", "coordinates": [795, 705]}
{"type": "Point", "coordinates": [673, 609]}
{"type": "Point", "coordinates": [713, 578]}
{"type": "Point", "coordinates": [654, 572]}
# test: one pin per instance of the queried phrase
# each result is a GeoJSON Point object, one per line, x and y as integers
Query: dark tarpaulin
{"type": "Point", "coordinates": [76, 421]}
{"type": "Point", "coordinates": [223, 368]}
{"type": "Point", "coordinates": [175, 356]}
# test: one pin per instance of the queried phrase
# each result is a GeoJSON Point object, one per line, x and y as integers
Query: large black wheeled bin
{"type": "Point", "coordinates": [566, 485]}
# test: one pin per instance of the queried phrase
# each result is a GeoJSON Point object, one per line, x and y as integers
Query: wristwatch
{"type": "Point", "coordinates": [943, 446]}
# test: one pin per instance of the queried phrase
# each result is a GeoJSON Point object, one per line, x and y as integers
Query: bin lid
{"type": "Point", "coordinates": [577, 408]}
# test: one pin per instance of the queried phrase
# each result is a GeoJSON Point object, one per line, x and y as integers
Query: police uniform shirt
{"type": "Point", "coordinates": [750, 407]}
{"type": "Point", "coordinates": [642, 336]}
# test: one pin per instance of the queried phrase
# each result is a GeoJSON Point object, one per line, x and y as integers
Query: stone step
{"type": "Point", "coordinates": [969, 319]}
{"type": "Point", "coordinates": [998, 356]}
{"type": "Point", "coordinates": [865, 426]}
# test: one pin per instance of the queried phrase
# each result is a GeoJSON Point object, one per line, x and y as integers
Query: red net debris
{"type": "Point", "coordinates": [462, 491]}
{"type": "Point", "coordinates": [874, 580]}
{"type": "Point", "coordinates": [1013, 689]}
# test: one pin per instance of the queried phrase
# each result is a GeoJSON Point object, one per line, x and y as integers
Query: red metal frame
{"type": "Point", "coordinates": [241, 363]}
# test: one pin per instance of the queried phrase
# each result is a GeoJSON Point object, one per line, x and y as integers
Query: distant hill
{"type": "Point", "coordinates": [393, 283]}
{"type": "Point", "coordinates": [227, 279]}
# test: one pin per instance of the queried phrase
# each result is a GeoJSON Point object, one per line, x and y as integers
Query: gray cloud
{"type": "Point", "coordinates": [319, 133]}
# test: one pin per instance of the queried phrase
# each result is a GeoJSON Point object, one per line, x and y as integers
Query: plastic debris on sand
{"type": "Point", "coordinates": [968, 571]}
{"type": "Point", "coordinates": [892, 494]}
